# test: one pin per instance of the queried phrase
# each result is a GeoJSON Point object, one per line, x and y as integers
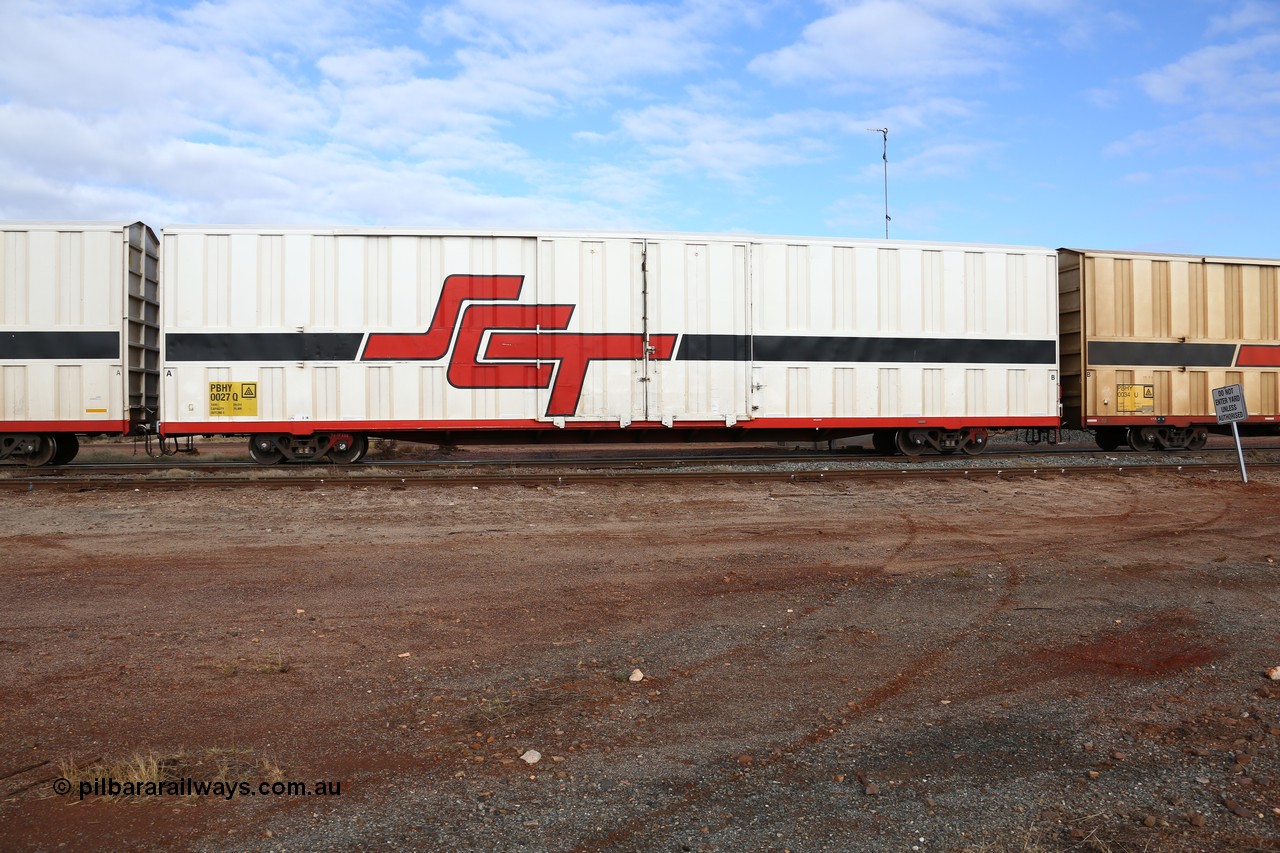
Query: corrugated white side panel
{"type": "Point", "coordinates": [63, 279]}
{"type": "Point", "coordinates": [603, 279]}
{"type": "Point", "coordinates": [889, 289]}
{"type": "Point", "coordinates": [68, 390]}
{"type": "Point", "coordinates": [304, 283]}
{"type": "Point", "coordinates": [699, 288]}
{"type": "Point", "coordinates": [798, 389]}
{"type": "Point", "coordinates": [844, 390]}
{"type": "Point", "coordinates": [431, 386]}
{"type": "Point", "coordinates": [325, 381]}
{"type": "Point", "coordinates": [717, 292]}
{"type": "Point", "coordinates": [13, 392]}
{"type": "Point", "coordinates": [975, 392]}
{"type": "Point", "coordinates": [844, 276]}
{"type": "Point", "coordinates": [888, 404]}
{"type": "Point", "coordinates": [903, 292]}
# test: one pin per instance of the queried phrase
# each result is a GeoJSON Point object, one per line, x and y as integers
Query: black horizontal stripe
{"type": "Point", "coordinates": [262, 346]}
{"type": "Point", "coordinates": [1161, 354]}
{"type": "Point", "coordinates": [714, 348]}
{"type": "Point", "coordinates": [59, 345]}
{"type": "Point", "coordinates": [763, 348]}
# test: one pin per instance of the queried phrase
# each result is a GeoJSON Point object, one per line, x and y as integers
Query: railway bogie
{"type": "Point", "coordinates": [27, 448]}
{"type": "Point", "coordinates": [913, 442]}
{"type": "Point", "coordinates": [884, 442]}
{"type": "Point", "coordinates": [340, 448]}
{"type": "Point", "coordinates": [1148, 438]}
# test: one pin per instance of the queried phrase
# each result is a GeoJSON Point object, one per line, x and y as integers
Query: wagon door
{"type": "Point", "coordinates": [591, 330]}
{"type": "Point", "coordinates": [699, 293]}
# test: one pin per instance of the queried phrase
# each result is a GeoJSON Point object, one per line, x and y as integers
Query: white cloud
{"type": "Point", "coordinates": [733, 145]}
{"type": "Point", "coordinates": [954, 159]}
{"type": "Point", "coordinates": [882, 40]}
{"type": "Point", "coordinates": [1223, 131]}
{"type": "Point", "coordinates": [256, 25]}
{"type": "Point", "coordinates": [372, 66]}
{"type": "Point", "coordinates": [575, 48]}
{"type": "Point", "coordinates": [1245, 16]}
{"type": "Point", "coordinates": [256, 109]}
{"type": "Point", "coordinates": [1243, 73]}
{"type": "Point", "coordinates": [1225, 95]}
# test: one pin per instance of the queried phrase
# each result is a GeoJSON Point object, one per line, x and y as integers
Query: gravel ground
{"type": "Point", "coordinates": [1044, 663]}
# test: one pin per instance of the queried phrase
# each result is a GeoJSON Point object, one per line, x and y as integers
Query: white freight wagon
{"type": "Point", "coordinates": [79, 335]}
{"type": "Point", "coordinates": [312, 340]}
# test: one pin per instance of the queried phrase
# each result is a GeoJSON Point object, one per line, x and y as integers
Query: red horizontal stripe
{"type": "Point", "coordinates": [103, 427]}
{"type": "Point", "coordinates": [1255, 355]}
{"type": "Point", "coordinates": [310, 427]}
{"type": "Point", "coordinates": [1094, 421]}
{"type": "Point", "coordinates": [900, 423]}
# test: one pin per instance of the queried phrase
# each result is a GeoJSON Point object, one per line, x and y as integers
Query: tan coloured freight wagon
{"type": "Point", "coordinates": [1144, 338]}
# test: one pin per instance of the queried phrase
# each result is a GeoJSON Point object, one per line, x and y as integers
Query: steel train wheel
{"type": "Point", "coordinates": [977, 442]}
{"type": "Point", "coordinates": [884, 442]}
{"type": "Point", "coordinates": [263, 450]}
{"type": "Point", "coordinates": [1199, 438]}
{"type": "Point", "coordinates": [46, 449]}
{"type": "Point", "coordinates": [348, 449]}
{"type": "Point", "coordinates": [911, 442]}
{"type": "Point", "coordinates": [1109, 438]}
{"type": "Point", "coordinates": [68, 447]}
{"type": "Point", "coordinates": [1142, 439]}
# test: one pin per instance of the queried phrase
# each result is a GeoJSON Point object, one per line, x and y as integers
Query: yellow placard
{"type": "Point", "coordinates": [1135, 399]}
{"type": "Point", "coordinates": [233, 399]}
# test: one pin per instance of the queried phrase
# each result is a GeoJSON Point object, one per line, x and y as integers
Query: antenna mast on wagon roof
{"type": "Point", "coordinates": [885, 132]}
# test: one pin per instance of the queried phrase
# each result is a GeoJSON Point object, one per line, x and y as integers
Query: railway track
{"type": "Point", "coordinates": [805, 467]}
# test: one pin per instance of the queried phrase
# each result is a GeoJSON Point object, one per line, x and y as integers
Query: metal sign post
{"type": "Point", "coordinates": [1229, 403]}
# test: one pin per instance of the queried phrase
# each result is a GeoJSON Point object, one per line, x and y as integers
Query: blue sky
{"type": "Point", "coordinates": [1139, 125]}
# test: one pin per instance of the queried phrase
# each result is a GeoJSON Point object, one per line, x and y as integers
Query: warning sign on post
{"type": "Point", "coordinates": [1229, 403]}
{"type": "Point", "coordinates": [233, 399]}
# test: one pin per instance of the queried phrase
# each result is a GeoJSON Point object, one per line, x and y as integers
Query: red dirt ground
{"type": "Point", "coordinates": [1038, 664]}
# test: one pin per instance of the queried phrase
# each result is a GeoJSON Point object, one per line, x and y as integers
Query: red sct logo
{"type": "Point", "coordinates": [524, 346]}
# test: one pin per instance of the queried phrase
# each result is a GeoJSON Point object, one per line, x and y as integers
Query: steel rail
{"type": "Point", "coordinates": [1209, 455]}
{"type": "Point", "coordinates": [307, 479]}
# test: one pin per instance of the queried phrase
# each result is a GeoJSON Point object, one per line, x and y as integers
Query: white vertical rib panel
{"type": "Point", "coordinates": [867, 314]}
{"type": "Point", "coordinates": [13, 392]}
{"type": "Point", "coordinates": [325, 380]}
{"type": "Point", "coordinates": [1016, 286]}
{"type": "Point", "coordinates": [995, 276]}
{"type": "Point", "coordinates": [932, 304]}
{"type": "Point", "coordinates": [799, 285]}
{"type": "Point", "coordinates": [271, 393]}
{"type": "Point", "coordinates": [890, 405]}
{"type": "Point", "coordinates": [70, 278]}
{"type": "Point", "coordinates": [844, 392]}
{"type": "Point", "coordinates": [243, 285]}
{"type": "Point", "coordinates": [302, 299]}
{"type": "Point", "coordinates": [69, 392]}
{"type": "Point", "coordinates": [844, 284]}
{"type": "Point", "coordinates": [271, 283]}
{"type": "Point", "coordinates": [975, 294]}
{"type": "Point", "coordinates": [953, 294]}
{"type": "Point", "coordinates": [42, 270]}
{"type": "Point", "coordinates": [890, 289]}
